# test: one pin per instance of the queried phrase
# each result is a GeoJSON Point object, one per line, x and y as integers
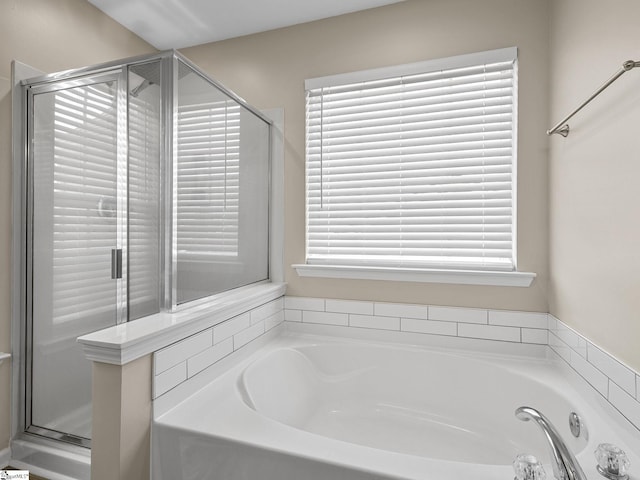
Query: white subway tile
{"type": "Point", "coordinates": [613, 369]}
{"type": "Point", "coordinates": [266, 310]}
{"type": "Point", "coordinates": [401, 310]}
{"type": "Point", "coordinates": [552, 322]}
{"type": "Point", "coordinates": [591, 374]}
{"type": "Point", "coordinates": [434, 327]}
{"type": "Point", "coordinates": [535, 335]}
{"type": "Point", "coordinates": [293, 315]}
{"type": "Point", "coordinates": [211, 355]}
{"type": "Point", "coordinates": [369, 321]}
{"type": "Point", "coordinates": [245, 336]}
{"type": "Point", "coordinates": [456, 314]}
{"type": "Point", "coordinates": [559, 347]}
{"type": "Point", "coordinates": [231, 327]}
{"type": "Point", "coordinates": [304, 303]}
{"type": "Point", "coordinates": [638, 387]}
{"type": "Point", "coordinates": [348, 306]}
{"type": "Point", "coordinates": [180, 351]}
{"type": "Point", "coordinates": [489, 332]}
{"type": "Point", "coordinates": [274, 320]}
{"type": "Point", "coordinates": [327, 318]}
{"type": "Point", "coordinates": [518, 319]}
{"type": "Point", "coordinates": [168, 379]}
{"type": "Point", "coordinates": [571, 338]}
{"type": "Point", "coordinates": [624, 402]}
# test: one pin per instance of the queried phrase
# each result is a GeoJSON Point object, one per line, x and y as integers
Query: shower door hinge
{"type": "Point", "coordinates": [116, 263]}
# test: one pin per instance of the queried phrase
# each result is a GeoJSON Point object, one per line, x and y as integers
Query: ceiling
{"type": "Point", "coordinates": [167, 24]}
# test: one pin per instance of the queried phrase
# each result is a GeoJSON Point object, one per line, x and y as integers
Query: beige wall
{"type": "Point", "coordinates": [269, 70]}
{"type": "Point", "coordinates": [50, 36]}
{"type": "Point", "coordinates": [595, 175]}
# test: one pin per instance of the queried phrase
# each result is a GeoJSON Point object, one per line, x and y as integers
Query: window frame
{"type": "Point", "coordinates": [431, 273]}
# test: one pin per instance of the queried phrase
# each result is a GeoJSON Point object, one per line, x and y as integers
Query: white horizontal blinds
{"type": "Point", "coordinates": [82, 228]}
{"type": "Point", "coordinates": [413, 170]}
{"type": "Point", "coordinates": [208, 179]}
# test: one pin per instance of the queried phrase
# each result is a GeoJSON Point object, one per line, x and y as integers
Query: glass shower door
{"type": "Point", "coordinates": [77, 260]}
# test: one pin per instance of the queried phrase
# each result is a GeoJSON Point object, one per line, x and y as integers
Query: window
{"type": "Point", "coordinates": [414, 166]}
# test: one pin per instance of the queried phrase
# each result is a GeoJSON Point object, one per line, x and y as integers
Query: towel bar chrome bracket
{"type": "Point", "coordinates": [562, 127]}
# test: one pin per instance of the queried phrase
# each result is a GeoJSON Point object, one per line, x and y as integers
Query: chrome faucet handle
{"type": "Point", "coordinates": [613, 463]}
{"type": "Point", "coordinates": [528, 467]}
{"type": "Point", "coordinates": [564, 463]}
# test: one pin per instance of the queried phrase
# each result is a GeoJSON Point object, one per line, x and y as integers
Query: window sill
{"type": "Point", "coordinates": [460, 277]}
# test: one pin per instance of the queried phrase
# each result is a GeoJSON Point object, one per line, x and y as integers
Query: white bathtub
{"type": "Point", "coordinates": [319, 408]}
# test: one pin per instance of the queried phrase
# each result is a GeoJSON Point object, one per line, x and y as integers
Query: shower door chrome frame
{"type": "Point", "coordinates": [169, 179]}
{"type": "Point", "coordinates": [30, 89]}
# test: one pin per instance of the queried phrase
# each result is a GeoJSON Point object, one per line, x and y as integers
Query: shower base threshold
{"type": "Point", "coordinates": [51, 460]}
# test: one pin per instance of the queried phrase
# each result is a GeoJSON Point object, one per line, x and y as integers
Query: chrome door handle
{"type": "Point", "coordinates": [116, 263]}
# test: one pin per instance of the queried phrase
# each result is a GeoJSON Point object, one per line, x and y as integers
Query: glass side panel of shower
{"type": "Point", "coordinates": [221, 217]}
{"type": "Point", "coordinates": [93, 232]}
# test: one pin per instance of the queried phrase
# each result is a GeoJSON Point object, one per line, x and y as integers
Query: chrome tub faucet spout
{"type": "Point", "coordinates": [564, 463]}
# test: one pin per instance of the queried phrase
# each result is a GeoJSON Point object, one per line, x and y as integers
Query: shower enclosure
{"type": "Point", "coordinates": [145, 187]}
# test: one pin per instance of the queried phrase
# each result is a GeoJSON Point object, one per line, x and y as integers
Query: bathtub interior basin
{"type": "Point", "coordinates": [410, 401]}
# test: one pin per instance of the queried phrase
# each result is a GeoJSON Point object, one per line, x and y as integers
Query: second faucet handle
{"type": "Point", "coordinates": [613, 463]}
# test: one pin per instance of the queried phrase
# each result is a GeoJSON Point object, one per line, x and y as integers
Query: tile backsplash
{"type": "Point", "coordinates": [616, 382]}
{"type": "Point", "coordinates": [508, 326]}
{"type": "Point", "coordinates": [182, 360]}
